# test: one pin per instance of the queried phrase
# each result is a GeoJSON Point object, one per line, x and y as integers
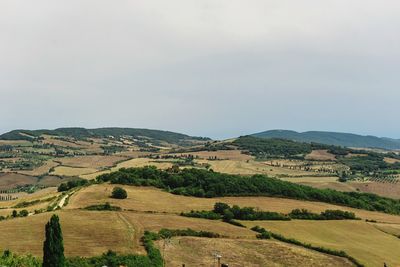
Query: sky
{"type": "Point", "coordinates": [216, 68]}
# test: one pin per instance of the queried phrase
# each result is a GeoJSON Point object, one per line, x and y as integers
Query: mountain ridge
{"type": "Point", "coordinates": [334, 138]}
{"type": "Point", "coordinates": [79, 132]}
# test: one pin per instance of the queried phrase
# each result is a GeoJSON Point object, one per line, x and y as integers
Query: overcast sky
{"type": "Point", "coordinates": [209, 68]}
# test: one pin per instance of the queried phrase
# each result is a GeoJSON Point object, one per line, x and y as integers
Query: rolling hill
{"type": "Point", "coordinates": [81, 133]}
{"type": "Point", "coordinates": [334, 138]}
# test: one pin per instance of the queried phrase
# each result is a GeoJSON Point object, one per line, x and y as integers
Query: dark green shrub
{"type": "Point", "coordinates": [119, 193]}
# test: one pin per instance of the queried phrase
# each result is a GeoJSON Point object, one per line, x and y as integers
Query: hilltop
{"type": "Point", "coordinates": [334, 138]}
{"type": "Point", "coordinates": [116, 132]}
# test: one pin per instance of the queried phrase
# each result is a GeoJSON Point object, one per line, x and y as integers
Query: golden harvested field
{"type": "Point", "coordinates": [250, 168]}
{"type": "Point", "coordinates": [320, 155]}
{"type": "Point", "coordinates": [155, 222]}
{"type": "Point", "coordinates": [324, 183]}
{"type": "Point", "coordinates": [151, 199]}
{"type": "Point", "coordinates": [393, 229]}
{"type": "Point", "coordinates": [132, 163]}
{"type": "Point", "coordinates": [11, 180]}
{"type": "Point", "coordinates": [72, 171]}
{"type": "Point", "coordinates": [199, 252]}
{"type": "Point", "coordinates": [359, 239]}
{"type": "Point", "coordinates": [85, 233]}
{"type": "Point", "coordinates": [383, 189]}
{"type": "Point", "coordinates": [95, 162]}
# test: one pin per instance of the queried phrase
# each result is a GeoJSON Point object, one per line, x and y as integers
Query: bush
{"type": "Point", "coordinates": [105, 206]}
{"type": "Point", "coordinates": [227, 215]}
{"type": "Point", "coordinates": [119, 193]}
{"type": "Point", "coordinates": [23, 213]}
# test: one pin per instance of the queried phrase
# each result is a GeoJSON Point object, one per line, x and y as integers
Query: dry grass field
{"type": "Point", "coordinates": [11, 180]}
{"type": "Point", "coordinates": [94, 162]}
{"type": "Point", "coordinates": [72, 171]}
{"type": "Point", "coordinates": [132, 163]}
{"type": "Point", "coordinates": [320, 155]}
{"type": "Point", "coordinates": [235, 252]}
{"type": "Point", "coordinates": [250, 167]}
{"type": "Point", "coordinates": [383, 189]}
{"type": "Point", "coordinates": [359, 239]}
{"type": "Point", "coordinates": [85, 233]}
{"type": "Point", "coordinates": [146, 199]}
{"type": "Point", "coordinates": [393, 229]}
{"type": "Point", "coordinates": [155, 222]}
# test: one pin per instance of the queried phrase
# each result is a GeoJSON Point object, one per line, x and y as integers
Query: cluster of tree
{"type": "Point", "coordinates": [304, 214]}
{"type": "Point", "coordinates": [7, 197]}
{"type": "Point", "coordinates": [71, 184]}
{"type": "Point", "coordinates": [203, 183]}
{"type": "Point", "coordinates": [106, 206]}
{"type": "Point", "coordinates": [6, 148]}
{"type": "Point", "coordinates": [247, 213]}
{"type": "Point", "coordinates": [112, 149]}
{"type": "Point", "coordinates": [368, 163]}
{"type": "Point", "coordinates": [168, 233]}
{"type": "Point", "coordinates": [21, 213]}
{"type": "Point", "coordinates": [227, 213]}
{"type": "Point", "coordinates": [272, 148]}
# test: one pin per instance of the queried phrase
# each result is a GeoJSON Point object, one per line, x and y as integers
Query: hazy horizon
{"type": "Point", "coordinates": [207, 68]}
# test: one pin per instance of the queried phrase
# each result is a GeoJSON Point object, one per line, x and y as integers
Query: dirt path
{"type": "Point", "coordinates": [134, 234]}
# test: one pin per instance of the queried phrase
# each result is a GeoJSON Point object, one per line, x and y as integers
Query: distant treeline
{"type": "Point", "coordinates": [368, 162]}
{"type": "Point", "coordinates": [203, 183]}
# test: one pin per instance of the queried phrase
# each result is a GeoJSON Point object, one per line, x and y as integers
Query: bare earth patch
{"type": "Point", "coordinates": [320, 155]}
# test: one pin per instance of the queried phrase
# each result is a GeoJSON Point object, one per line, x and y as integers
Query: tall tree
{"type": "Point", "coordinates": [53, 247]}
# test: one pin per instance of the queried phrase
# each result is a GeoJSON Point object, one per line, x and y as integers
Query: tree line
{"type": "Point", "coordinates": [204, 183]}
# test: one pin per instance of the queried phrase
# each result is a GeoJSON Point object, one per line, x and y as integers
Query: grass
{"type": "Point", "coordinates": [96, 162]}
{"type": "Point", "coordinates": [151, 199]}
{"type": "Point", "coordinates": [199, 252]}
{"type": "Point", "coordinates": [359, 239]}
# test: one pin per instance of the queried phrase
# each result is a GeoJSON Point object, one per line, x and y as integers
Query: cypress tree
{"type": "Point", "coordinates": [53, 247]}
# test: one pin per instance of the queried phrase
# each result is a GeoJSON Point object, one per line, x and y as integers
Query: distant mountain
{"type": "Point", "coordinates": [333, 138]}
{"type": "Point", "coordinates": [79, 133]}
